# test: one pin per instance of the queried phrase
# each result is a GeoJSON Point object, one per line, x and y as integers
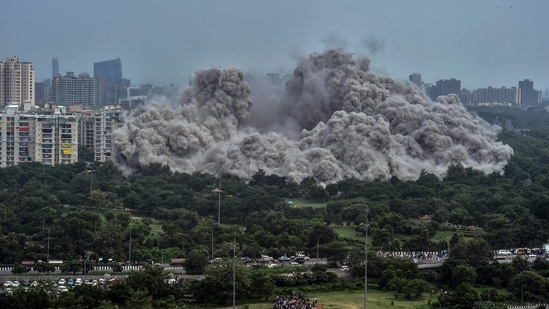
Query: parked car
{"type": "Point", "coordinates": [284, 259]}
{"type": "Point", "coordinates": [70, 282]}
{"type": "Point", "coordinates": [266, 258]}
{"type": "Point", "coordinates": [78, 282]}
{"type": "Point", "coordinates": [300, 260]}
{"type": "Point", "coordinates": [8, 284]}
{"type": "Point", "coordinates": [34, 284]}
{"type": "Point", "coordinates": [62, 289]}
{"type": "Point", "coordinates": [15, 284]}
{"type": "Point", "coordinates": [62, 281]}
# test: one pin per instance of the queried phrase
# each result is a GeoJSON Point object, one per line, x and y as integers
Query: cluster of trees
{"type": "Point", "coordinates": [142, 288]}
{"type": "Point", "coordinates": [79, 211]}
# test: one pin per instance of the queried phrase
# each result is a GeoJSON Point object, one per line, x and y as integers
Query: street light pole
{"type": "Point", "coordinates": [130, 247]}
{"type": "Point", "coordinates": [234, 269]}
{"type": "Point", "coordinates": [366, 262]}
{"type": "Point", "coordinates": [48, 254]}
{"type": "Point", "coordinates": [218, 191]}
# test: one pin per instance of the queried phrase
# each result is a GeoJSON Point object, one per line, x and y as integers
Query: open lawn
{"type": "Point", "coordinates": [349, 232]}
{"type": "Point", "coordinates": [305, 203]}
{"type": "Point", "coordinates": [355, 300]}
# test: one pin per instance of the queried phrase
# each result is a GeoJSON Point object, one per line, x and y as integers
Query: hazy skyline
{"type": "Point", "coordinates": [482, 43]}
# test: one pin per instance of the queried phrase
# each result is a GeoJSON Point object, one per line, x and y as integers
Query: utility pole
{"type": "Point", "coordinates": [212, 244]}
{"type": "Point", "coordinates": [130, 247]}
{"type": "Point", "coordinates": [234, 269]}
{"type": "Point", "coordinates": [48, 253]}
{"type": "Point", "coordinates": [366, 262]}
{"type": "Point", "coordinates": [218, 191]}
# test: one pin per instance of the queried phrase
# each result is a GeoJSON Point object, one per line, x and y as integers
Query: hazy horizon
{"type": "Point", "coordinates": [488, 43]}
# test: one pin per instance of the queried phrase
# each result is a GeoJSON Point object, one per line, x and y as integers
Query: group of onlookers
{"type": "Point", "coordinates": [295, 302]}
{"type": "Point", "coordinates": [420, 257]}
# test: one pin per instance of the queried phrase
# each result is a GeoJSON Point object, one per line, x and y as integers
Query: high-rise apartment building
{"type": "Point", "coordinates": [55, 67]}
{"type": "Point", "coordinates": [415, 78]}
{"type": "Point", "coordinates": [112, 84]}
{"type": "Point", "coordinates": [528, 95]}
{"type": "Point", "coordinates": [96, 129]}
{"type": "Point", "coordinates": [16, 82]}
{"type": "Point", "coordinates": [41, 94]}
{"type": "Point", "coordinates": [105, 123]}
{"type": "Point", "coordinates": [74, 90]}
{"type": "Point", "coordinates": [444, 87]}
{"type": "Point", "coordinates": [49, 138]}
{"type": "Point", "coordinates": [496, 95]}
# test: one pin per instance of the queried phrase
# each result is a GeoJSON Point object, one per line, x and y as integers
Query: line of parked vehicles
{"type": "Point", "coordinates": [60, 286]}
{"type": "Point", "coordinates": [530, 253]}
{"type": "Point", "coordinates": [269, 261]}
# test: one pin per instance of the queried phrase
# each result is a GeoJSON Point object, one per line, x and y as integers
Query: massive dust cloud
{"type": "Point", "coordinates": [334, 120]}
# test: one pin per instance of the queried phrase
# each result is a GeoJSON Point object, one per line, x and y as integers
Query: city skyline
{"type": "Point", "coordinates": [481, 43]}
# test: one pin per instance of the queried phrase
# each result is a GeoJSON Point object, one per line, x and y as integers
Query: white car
{"type": "Point", "coordinates": [62, 281]}
{"type": "Point", "coordinates": [62, 289]}
{"type": "Point", "coordinates": [15, 284]}
{"type": "Point", "coordinates": [8, 284]}
{"type": "Point", "coordinates": [34, 284]}
{"type": "Point", "coordinates": [504, 252]}
{"type": "Point", "coordinates": [78, 282]}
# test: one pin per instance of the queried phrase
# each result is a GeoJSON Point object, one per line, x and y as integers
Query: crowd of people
{"type": "Point", "coordinates": [418, 257]}
{"type": "Point", "coordinates": [295, 302]}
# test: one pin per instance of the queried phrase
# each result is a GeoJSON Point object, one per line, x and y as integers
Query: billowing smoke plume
{"type": "Point", "coordinates": [335, 120]}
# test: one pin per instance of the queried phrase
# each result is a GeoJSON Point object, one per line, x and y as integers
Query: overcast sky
{"type": "Point", "coordinates": [482, 42]}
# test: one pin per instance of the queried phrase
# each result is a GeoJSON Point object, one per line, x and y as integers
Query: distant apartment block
{"type": "Point", "coordinates": [16, 82]}
{"type": "Point", "coordinates": [104, 123]}
{"type": "Point", "coordinates": [528, 95]}
{"type": "Point", "coordinates": [50, 138]}
{"type": "Point", "coordinates": [41, 94]}
{"type": "Point", "coordinates": [55, 67]}
{"type": "Point", "coordinates": [416, 79]}
{"type": "Point", "coordinates": [501, 95]}
{"type": "Point", "coordinates": [112, 84]}
{"type": "Point", "coordinates": [444, 87]}
{"type": "Point", "coordinates": [74, 89]}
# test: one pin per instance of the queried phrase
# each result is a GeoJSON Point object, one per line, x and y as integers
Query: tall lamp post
{"type": "Point", "coordinates": [234, 269]}
{"type": "Point", "coordinates": [218, 191]}
{"type": "Point", "coordinates": [366, 262]}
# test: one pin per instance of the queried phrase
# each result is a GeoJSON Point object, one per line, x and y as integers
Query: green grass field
{"type": "Point", "coordinates": [355, 300]}
{"type": "Point", "coordinates": [306, 203]}
{"type": "Point", "coordinates": [349, 232]}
